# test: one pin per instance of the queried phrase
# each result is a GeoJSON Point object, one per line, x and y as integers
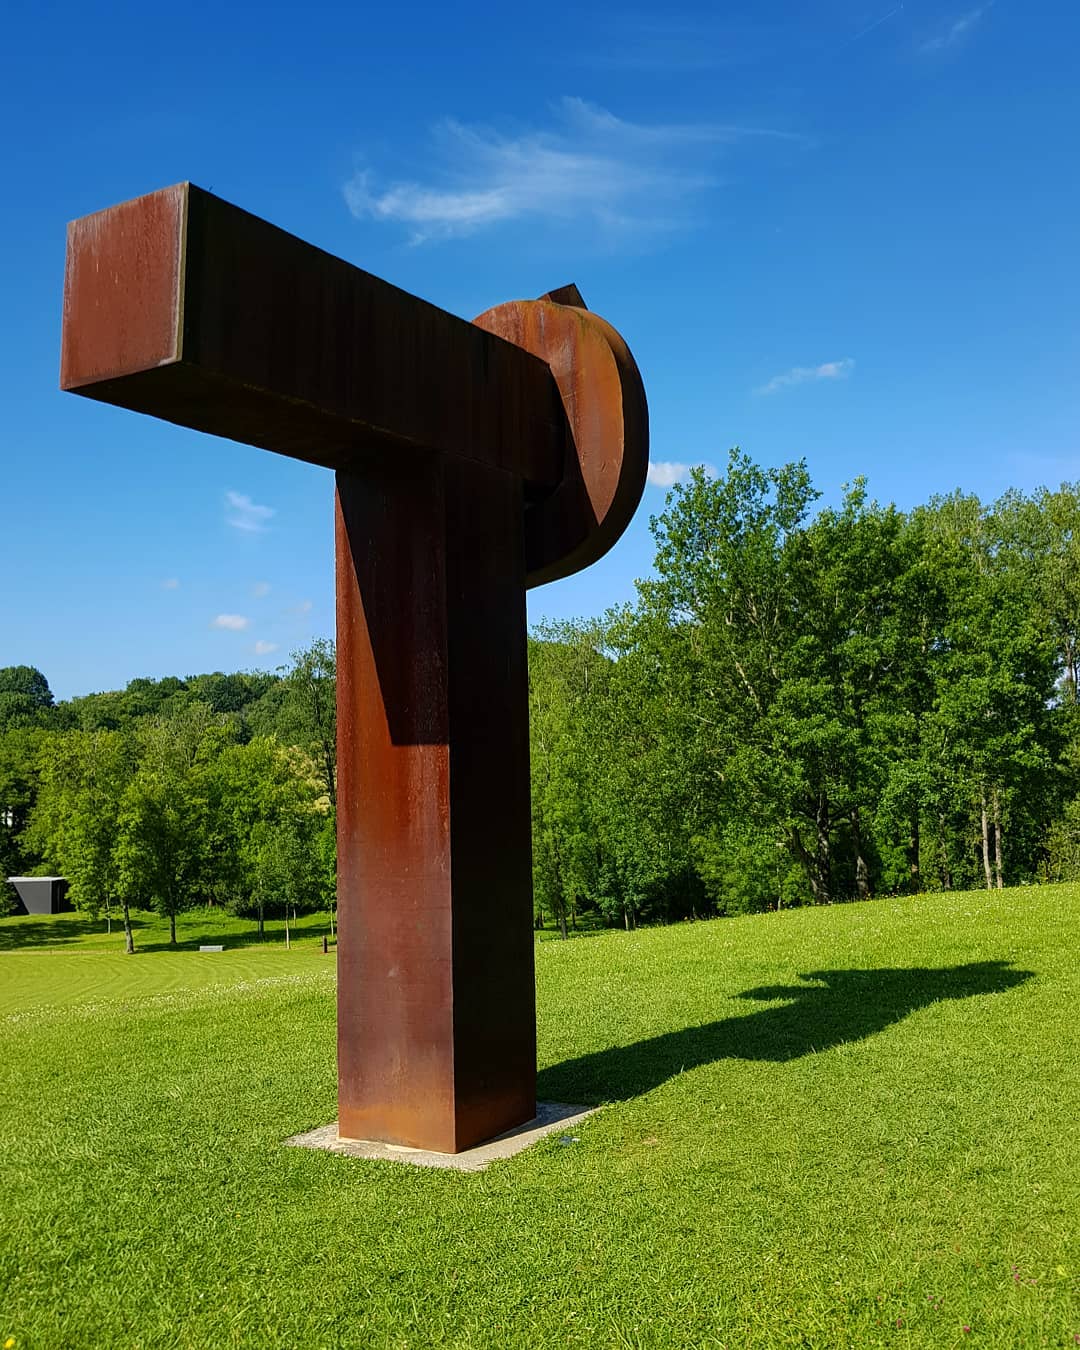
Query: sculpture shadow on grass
{"type": "Point", "coordinates": [833, 1007]}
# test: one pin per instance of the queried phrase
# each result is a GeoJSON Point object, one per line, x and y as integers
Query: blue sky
{"type": "Point", "coordinates": [844, 230]}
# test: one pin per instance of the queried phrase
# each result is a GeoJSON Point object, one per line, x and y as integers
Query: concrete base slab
{"type": "Point", "coordinates": [550, 1117]}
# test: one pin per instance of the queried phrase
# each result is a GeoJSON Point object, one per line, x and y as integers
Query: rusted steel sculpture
{"type": "Point", "coordinates": [473, 460]}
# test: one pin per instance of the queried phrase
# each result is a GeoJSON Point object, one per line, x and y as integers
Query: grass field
{"type": "Point", "coordinates": [93, 968]}
{"type": "Point", "coordinates": [854, 1126]}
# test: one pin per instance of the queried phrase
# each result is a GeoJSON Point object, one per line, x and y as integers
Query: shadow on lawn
{"type": "Point", "coordinates": [838, 1006]}
{"type": "Point", "coordinates": [304, 934]}
{"type": "Point", "coordinates": [230, 941]}
{"type": "Point", "coordinates": [35, 931]}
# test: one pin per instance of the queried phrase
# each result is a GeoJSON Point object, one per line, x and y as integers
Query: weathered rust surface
{"type": "Point", "coordinates": [181, 305]}
{"type": "Point", "coordinates": [604, 398]}
{"type": "Point", "coordinates": [436, 1031]}
{"type": "Point", "coordinates": [472, 460]}
{"type": "Point", "coordinates": [133, 252]}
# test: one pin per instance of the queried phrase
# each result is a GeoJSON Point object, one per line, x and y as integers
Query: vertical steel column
{"type": "Point", "coordinates": [436, 1003]}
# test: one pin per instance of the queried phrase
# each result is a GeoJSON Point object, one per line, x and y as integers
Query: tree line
{"type": "Point", "coordinates": [812, 705]}
{"type": "Point", "coordinates": [804, 704]}
{"type": "Point", "coordinates": [218, 789]}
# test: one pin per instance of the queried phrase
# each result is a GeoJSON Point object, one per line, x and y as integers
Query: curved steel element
{"type": "Point", "coordinates": [604, 400]}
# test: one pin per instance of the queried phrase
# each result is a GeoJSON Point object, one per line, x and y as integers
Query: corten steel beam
{"type": "Point", "coordinates": [472, 460]}
{"type": "Point", "coordinates": [181, 305]}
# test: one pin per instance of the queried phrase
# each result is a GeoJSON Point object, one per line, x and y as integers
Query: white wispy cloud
{"type": "Point", "coordinates": [171, 584]}
{"type": "Point", "coordinates": [235, 623]}
{"type": "Point", "coordinates": [588, 165]}
{"type": "Point", "coordinates": [828, 370]}
{"type": "Point", "coordinates": [666, 473]}
{"type": "Point", "coordinates": [264, 648]}
{"type": "Point", "coordinates": [956, 31]}
{"type": "Point", "coordinates": [304, 607]}
{"type": "Point", "coordinates": [244, 514]}
{"type": "Point", "coordinates": [260, 589]}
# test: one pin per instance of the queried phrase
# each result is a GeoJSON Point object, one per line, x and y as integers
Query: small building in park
{"type": "Point", "coordinates": [42, 895]}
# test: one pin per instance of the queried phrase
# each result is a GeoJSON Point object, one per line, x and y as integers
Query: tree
{"type": "Point", "coordinates": [160, 849]}
{"type": "Point", "coordinates": [566, 672]}
{"type": "Point", "coordinates": [302, 709]}
{"type": "Point", "coordinates": [995, 724]}
{"type": "Point", "coordinates": [75, 821]}
{"type": "Point", "coordinates": [646, 778]}
{"type": "Point", "coordinates": [27, 681]}
{"type": "Point", "coordinates": [20, 755]}
{"type": "Point", "coordinates": [25, 697]}
{"type": "Point", "coordinates": [723, 616]}
{"type": "Point", "coordinates": [287, 867]}
{"type": "Point", "coordinates": [252, 792]}
{"type": "Point", "coordinates": [783, 644]}
{"type": "Point", "coordinates": [841, 686]}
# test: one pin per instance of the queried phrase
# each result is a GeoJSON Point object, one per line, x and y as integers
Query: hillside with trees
{"type": "Point", "coordinates": [804, 705]}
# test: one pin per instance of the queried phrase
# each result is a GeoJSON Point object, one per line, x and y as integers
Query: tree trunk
{"type": "Point", "coordinates": [823, 860]}
{"type": "Point", "coordinates": [262, 925]}
{"type": "Point", "coordinates": [809, 863]}
{"type": "Point", "coordinates": [986, 845]}
{"type": "Point", "coordinates": [862, 872]}
{"type": "Point", "coordinates": [172, 930]}
{"type": "Point", "coordinates": [998, 866]}
{"type": "Point", "coordinates": [817, 864]}
{"type": "Point", "coordinates": [862, 877]}
{"type": "Point", "coordinates": [626, 918]}
{"type": "Point", "coordinates": [946, 867]}
{"type": "Point", "coordinates": [129, 936]}
{"type": "Point", "coordinates": [914, 860]}
{"type": "Point", "coordinates": [562, 920]}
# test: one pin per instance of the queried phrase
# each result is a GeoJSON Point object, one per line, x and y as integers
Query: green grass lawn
{"type": "Point", "coordinates": [65, 959]}
{"type": "Point", "coordinates": [854, 1126]}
